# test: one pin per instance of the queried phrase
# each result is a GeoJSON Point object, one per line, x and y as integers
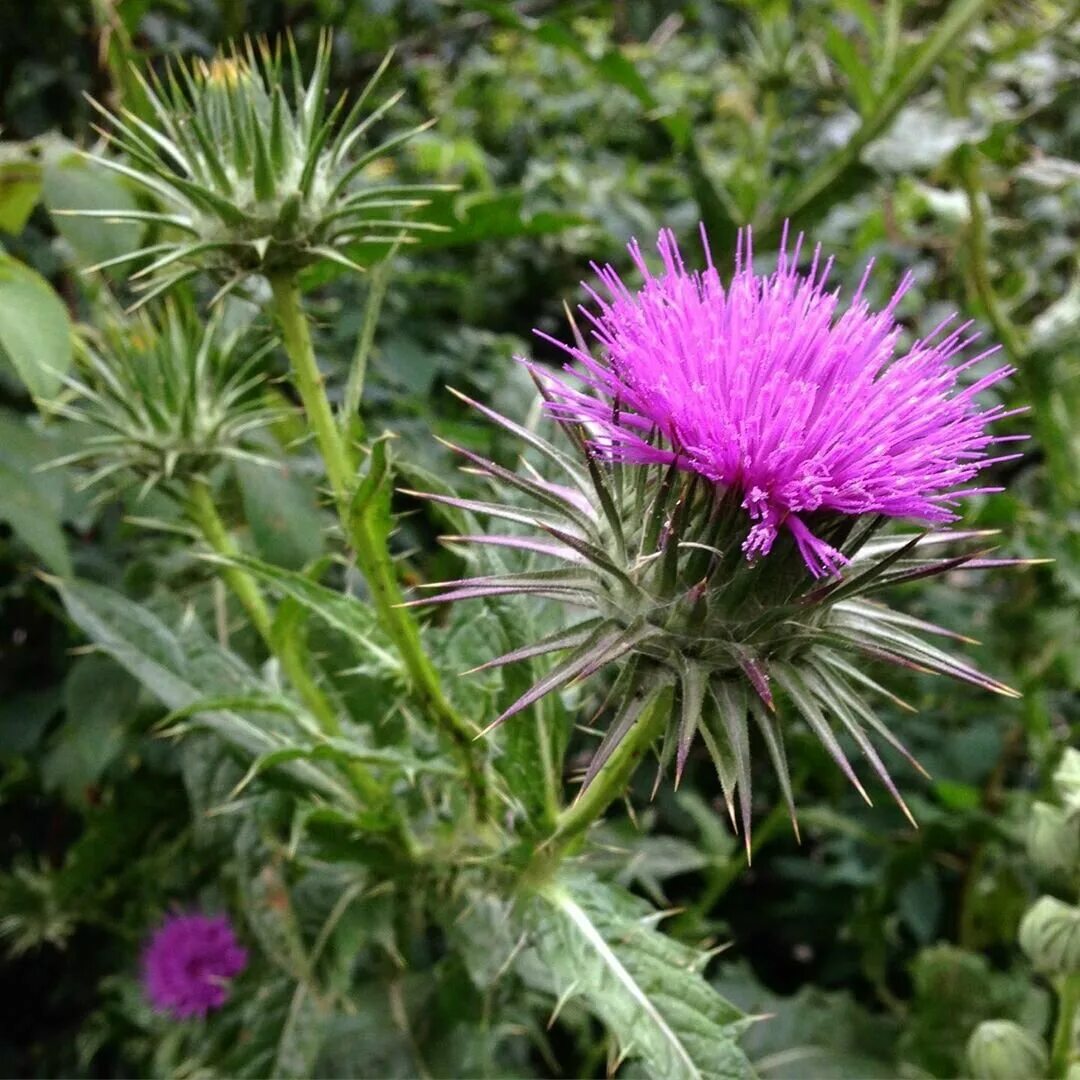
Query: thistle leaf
{"type": "Point", "coordinates": [598, 943]}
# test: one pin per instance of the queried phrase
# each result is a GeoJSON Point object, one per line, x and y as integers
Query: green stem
{"type": "Point", "coordinates": [1035, 378]}
{"type": "Point", "coordinates": [203, 513]}
{"type": "Point", "coordinates": [827, 177]}
{"type": "Point", "coordinates": [340, 466]}
{"type": "Point", "coordinates": [1068, 1004]}
{"type": "Point", "coordinates": [367, 538]}
{"type": "Point", "coordinates": [610, 782]}
{"type": "Point", "coordinates": [379, 278]}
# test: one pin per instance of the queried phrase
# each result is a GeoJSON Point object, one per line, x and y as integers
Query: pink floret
{"type": "Point", "coordinates": [189, 962]}
{"type": "Point", "coordinates": [771, 387]}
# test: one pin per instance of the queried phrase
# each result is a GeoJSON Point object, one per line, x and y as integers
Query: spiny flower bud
{"type": "Point", "coordinates": [1002, 1050]}
{"type": "Point", "coordinates": [1053, 841]}
{"type": "Point", "coordinates": [1050, 936]}
{"type": "Point", "coordinates": [730, 458]}
{"type": "Point", "coordinates": [251, 179]}
{"type": "Point", "coordinates": [165, 398]}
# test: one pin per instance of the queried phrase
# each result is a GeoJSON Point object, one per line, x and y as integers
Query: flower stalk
{"type": "Point", "coordinates": [614, 775]}
{"type": "Point", "coordinates": [364, 533]}
{"type": "Point", "coordinates": [1068, 1004]}
{"type": "Point", "coordinates": [203, 513]}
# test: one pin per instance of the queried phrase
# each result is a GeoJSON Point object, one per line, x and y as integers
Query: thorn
{"type": "Point", "coordinates": [907, 813]}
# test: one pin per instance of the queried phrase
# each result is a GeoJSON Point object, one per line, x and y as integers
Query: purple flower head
{"type": "Point", "coordinates": [188, 963]}
{"type": "Point", "coordinates": [770, 387]}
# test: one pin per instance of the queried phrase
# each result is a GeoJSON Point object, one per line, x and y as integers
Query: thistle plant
{"type": "Point", "coordinates": [254, 183]}
{"type": "Point", "coordinates": [714, 499]}
{"type": "Point", "coordinates": [251, 179]}
{"type": "Point", "coordinates": [734, 452]}
{"type": "Point", "coordinates": [166, 397]}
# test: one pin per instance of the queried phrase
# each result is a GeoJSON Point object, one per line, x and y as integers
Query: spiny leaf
{"type": "Point", "coordinates": [598, 943]}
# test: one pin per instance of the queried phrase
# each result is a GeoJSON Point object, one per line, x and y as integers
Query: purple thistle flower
{"type": "Point", "coordinates": [770, 388]}
{"type": "Point", "coordinates": [188, 962]}
{"type": "Point", "coordinates": [705, 406]}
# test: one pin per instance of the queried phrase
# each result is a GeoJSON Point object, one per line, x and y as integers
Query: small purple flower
{"type": "Point", "coordinates": [188, 963]}
{"type": "Point", "coordinates": [768, 387]}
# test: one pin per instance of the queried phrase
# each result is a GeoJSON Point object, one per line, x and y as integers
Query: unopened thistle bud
{"type": "Point", "coordinates": [730, 455]}
{"type": "Point", "coordinates": [1002, 1050]}
{"type": "Point", "coordinates": [1050, 936]}
{"type": "Point", "coordinates": [1053, 842]}
{"type": "Point", "coordinates": [164, 399]}
{"type": "Point", "coordinates": [253, 178]}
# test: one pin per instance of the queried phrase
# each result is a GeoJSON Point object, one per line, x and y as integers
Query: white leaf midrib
{"type": "Point", "coordinates": [581, 921]}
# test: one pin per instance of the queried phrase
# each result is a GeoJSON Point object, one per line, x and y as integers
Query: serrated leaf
{"type": "Point", "coordinates": [344, 613]}
{"type": "Point", "coordinates": [183, 669]}
{"type": "Point", "coordinates": [597, 942]}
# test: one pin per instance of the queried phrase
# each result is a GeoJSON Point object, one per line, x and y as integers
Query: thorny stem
{"type": "Point", "coordinates": [1068, 1004]}
{"type": "Point", "coordinates": [609, 783]}
{"type": "Point", "coordinates": [367, 539]}
{"type": "Point", "coordinates": [340, 466]}
{"type": "Point", "coordinates": [1035, 377]}
{"type": "Point", "coordinates": [956, 19]}
{"type": "Point", "coordinates": [203, 513]}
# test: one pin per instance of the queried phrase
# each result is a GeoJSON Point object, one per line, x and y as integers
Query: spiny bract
{"type": "Point", "coordinates": [250, 181]}
{"type": "Point", "coordinates": [704, 406]}
{"type": "Point", "coordinates": [165, 398]}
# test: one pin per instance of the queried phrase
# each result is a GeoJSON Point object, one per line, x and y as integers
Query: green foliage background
{"type": "Point", "coordinates": [940, 137]}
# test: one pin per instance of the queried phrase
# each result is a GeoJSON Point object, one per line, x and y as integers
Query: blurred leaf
{"type": "Point", "coordinates": [1057, 325]}
{"type": "Point", "coordinates": [33, 519]}
{"type": "Point", "coordinates": [302, 1035]}
{"type": "Point", "coordinates": [843, 173]}
{"type": "Point", "coordinates": [99, 703]}
{"type": "Point", "coordinates": [919, 138]}
{"type": "Point", "coordinates": [35, 331]}
{"type": "Point", "coordinates": [828, 1036]}
{"type": "Point", "coordinates": [955, 991]}
{"type": "Point", "coordinates": [20, 186]}
{"type": "Point", "coordinates": [73, 183]}
{"type": "Point", "coordinates": [270, 914]}
{"type": "Point", "coordinates": [920, 903]}
{"type": "Point", "coordinates": [24, 718]}
{"type": "Point", "coordinates": [281, 510]}
{"type": "Point", "coordinates": [845, 54]}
